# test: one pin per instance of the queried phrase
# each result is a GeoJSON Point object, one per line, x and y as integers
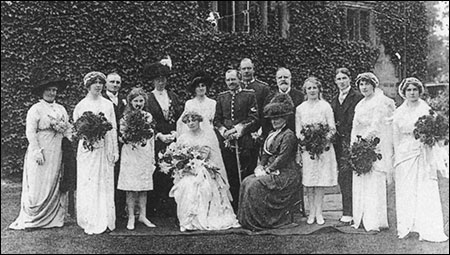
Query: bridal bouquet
{"type": "Point", "coordinates": [361, 155]}
{"type": "Point", "coordinates": [59, 124]}
{"type": "Point", "coordinates": [315, 139]}
{"type": "Point", "coordinates": [91, 128]}
{"type": "Point", "coordinates": [138, 129]}
{"type": "Point", "coordinates": [431, 128]}
{"type": "Point", "coordinates": [179, 160]}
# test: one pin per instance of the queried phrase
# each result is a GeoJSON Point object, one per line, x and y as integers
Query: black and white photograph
{"type": "Point", "coordinates": [225, 127]}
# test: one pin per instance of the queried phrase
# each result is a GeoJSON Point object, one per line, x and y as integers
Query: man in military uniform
{"type": "Point", "coordinates": [236, 115]}
{"type": "Point", "coordinates": [262, 92]}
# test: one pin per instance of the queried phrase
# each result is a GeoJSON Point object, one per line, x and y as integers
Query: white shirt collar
{"type": "Point", "coordinates": [345, 91]}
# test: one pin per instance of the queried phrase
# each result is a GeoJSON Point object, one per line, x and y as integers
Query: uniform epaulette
{"type": "Point", "coordinates": [264, 83]}
{"type": "Point", "coordinates": [248, 90]}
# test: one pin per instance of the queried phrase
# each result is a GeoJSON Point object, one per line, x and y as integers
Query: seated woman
{"type": "Point", "coordinates": [266, 197]}
{"type": "Point", "coordinates": [202, 200]}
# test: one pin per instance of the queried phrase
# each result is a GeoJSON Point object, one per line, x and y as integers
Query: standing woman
{"type": "Point", "coordinates": [95, 179]}
{"type": "Point", "coordinates": [343, 106]}
{"type": "Point", "coordinates": [42, 204]}
{"type": "Point", "coordinates": [166, 108]}
{"type": "Point", "coordinates": [320, 172]}
{"type": "Point", "coordinates": [373, 118]}
{"type": "Point", "coordinates": [206, 107]}
{"type": "Point", "coordinates": [418, 202]}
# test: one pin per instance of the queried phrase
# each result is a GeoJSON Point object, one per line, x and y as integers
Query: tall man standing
{"type": "Point", "coordinates": [236, 115]}
{"type": "Point", "coordinates": [262, 92]}
{"type": "Point", "coordinates": [113, 85]}
{"type": "Point", "coordinates": [344, 110]}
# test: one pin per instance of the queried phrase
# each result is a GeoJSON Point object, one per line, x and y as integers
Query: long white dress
{"type": "Point", "coordinates": [207, 109]}
{"type": "Point", "coordinates": [202, 201]}
{"type": "Point", "coordinates": [321, 171]}
{"type": "Point", "coordinates": [42, 204]}
{"type": "Point", "coordinates": [373, 117]}
{"type": "Point", "coordinates": [416, 185]}
{"type": "Point", "coordinates": [95, 172]}
{"type": "Point", "coordinates": [137, 164]}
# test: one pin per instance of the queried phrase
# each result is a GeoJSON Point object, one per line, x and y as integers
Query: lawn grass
{"type": "Point", "coordinates": [71, 238]}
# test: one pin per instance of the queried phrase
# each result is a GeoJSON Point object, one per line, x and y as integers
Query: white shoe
{"type": "Point", "coordinates": [346, 219]}
{"type": "Point", "coordinates": [320, 220]}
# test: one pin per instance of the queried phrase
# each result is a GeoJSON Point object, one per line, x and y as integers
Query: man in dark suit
{"type": "Point", "coordinates": [343, 106]}
{"type": "Point", "coordinates": [236, 114]}
{"type": "Point", "coordinates": [283, 78]}
{"type": "Point", "coordinates": [111, 92]}
{"type": "Point", "coordinates": [165, 108]}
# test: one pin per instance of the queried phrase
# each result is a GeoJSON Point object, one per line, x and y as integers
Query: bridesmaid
{"type": "Point", "coordinates": [42, 204]}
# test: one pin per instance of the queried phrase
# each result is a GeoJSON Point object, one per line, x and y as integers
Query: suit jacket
{"type": "Point", "coordinates": [119, 108]}
{"type": "Point", "coordinates": [343, 116]}
{"type": "Point", "coordinates": [262, 91]}
{"type": "Point", "coordinates": [297, 98]}
{"type": "Point", "coordinates": [163, 125]}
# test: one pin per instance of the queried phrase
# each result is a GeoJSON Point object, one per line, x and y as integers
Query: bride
{"type": "Point", "coordinates": [202, 199]}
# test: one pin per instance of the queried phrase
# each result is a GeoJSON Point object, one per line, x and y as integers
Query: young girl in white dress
{"type": "Point", "coordinates": [137, 163]}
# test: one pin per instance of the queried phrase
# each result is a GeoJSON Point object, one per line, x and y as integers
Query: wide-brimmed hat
{"type": "Point", "coordinates": [281, 105]}
{"type": "Point", "coordinates": [155, 70]}
{"type": "Point", "coordinates": [197, 78]}
{"type": "Point", "coordinates": [44, 79]}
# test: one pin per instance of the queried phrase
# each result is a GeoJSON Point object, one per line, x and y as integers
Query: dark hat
{"type": "Point", "coordinates": [281, 105]}
{"type": "Point", "coordinates": [199, 77]}
{"type": "Point", "coordinates": [42, 80]}
{"type": "Point", "coordinates": [155, 70]}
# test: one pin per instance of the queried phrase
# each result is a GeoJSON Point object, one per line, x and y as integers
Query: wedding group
{"type": "Point", "coordinates": [241, 160]}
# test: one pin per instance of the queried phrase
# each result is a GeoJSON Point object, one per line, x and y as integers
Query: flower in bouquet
{"type": "Point", "coordinates": [431, 129]}
{"type": "Point", "coordinates": [59, 124]}
{"type": "Point", "coordinates": [315, 139]}
{"type": "Point", "coordinates": [91, 128]}
{"type": "Point", "coordinates": [138, 129]}
{"type": "Point", "coordinates": [361, 155]}
{"type": "Point", "coordinates": [179, 160]}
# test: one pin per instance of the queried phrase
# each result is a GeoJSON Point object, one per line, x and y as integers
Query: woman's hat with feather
{"type": "Point", "coordinates": [41, 80]}
{"type": "Point", "coordinates": [281, 105]}
{"type": "Point", "coordinates": [158, 69]}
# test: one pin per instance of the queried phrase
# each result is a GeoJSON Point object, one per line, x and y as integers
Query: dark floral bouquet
{"type": "Point", "coordinates": [361, 155]}
{"type": "Point", "coordinates": [431, 129]}
{"type": "Point", "coordinates": [315, 139]}
{"type": "Point", "coordinates": [91, 128]}
{"type": "Point", "coordinates": [180, 160]}
{"type": "Point", "coordinates": [138, 129]}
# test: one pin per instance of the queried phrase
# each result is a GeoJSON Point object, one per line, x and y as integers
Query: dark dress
{"type": "Point", "coordinates": [158, 202]}
{"type": "Point", "coordinates": [266, 202]}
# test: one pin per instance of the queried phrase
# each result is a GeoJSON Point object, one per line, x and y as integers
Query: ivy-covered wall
{"type": "Point", "coordinates": [72, 38]}
{"type": "Point", "coordinates": [403, 28]}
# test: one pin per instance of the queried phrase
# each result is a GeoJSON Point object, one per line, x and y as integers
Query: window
{"type": "Point", "coordinates": [357, 25]}
{"type": "Point", "coordinates": [234, 16]}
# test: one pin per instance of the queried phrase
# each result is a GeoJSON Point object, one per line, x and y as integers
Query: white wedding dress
{"type": "Point", "coordinates": [202, 200]}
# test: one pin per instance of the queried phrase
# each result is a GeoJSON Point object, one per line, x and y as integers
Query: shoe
{"type": "Point", "coordinates": [146, 222]}
{"type": "Point", "coordinates": [320, 220]}
{"type": "Point", "coordinates": [346, 219]}
{"type": "Point", "coordinates": [130, 225]}
{"type": "Point", "coordinates": [310, 220]}
{"type": "Point", "coordinates": [343, 224]}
